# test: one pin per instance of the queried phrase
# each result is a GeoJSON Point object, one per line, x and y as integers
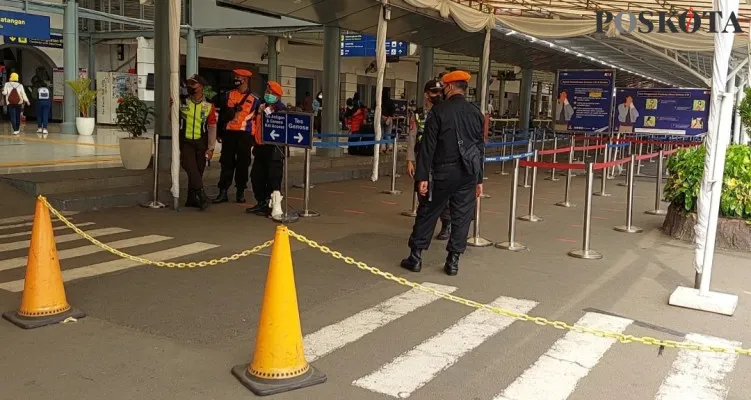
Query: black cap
{"type": "Point", "coordinates": [197, 79]}
{"type": "Point", "coordinates": [433, 85]}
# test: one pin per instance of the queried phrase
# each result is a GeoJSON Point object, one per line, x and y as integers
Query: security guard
{"type": "Point", "coordinates": [433, 95]}
{"type": "Point", "coordinates": [197, 139]}
{"type": "Point", "coordinates": [449, 170]}
{"type": "Point", "coordinates": [268, 165]}
{"type": "Point", "coordinates": [238, 111]}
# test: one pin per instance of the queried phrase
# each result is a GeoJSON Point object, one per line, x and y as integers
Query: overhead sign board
{"type": "Point", "coordinates": [585, 100]}
{"type": "Point", "coordinates": [54, 42]}
{"type": "Point", "coordinates": [24, 25]}
{"type": "Point", "coordinates": [359, 45]}
{"type": "Point", "coordinates": [662, 111]}
{"type": "Point", "coordinates": [288, 129]}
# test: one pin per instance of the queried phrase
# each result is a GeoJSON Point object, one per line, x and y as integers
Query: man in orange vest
{"type": "Point", "coordinates": [268, 165]}
{"type": "Point", "coordinates": [237, 112]}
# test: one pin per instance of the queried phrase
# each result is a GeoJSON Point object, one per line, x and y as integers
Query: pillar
{"type": "Point", "coordinates": [348, 87]}
{"type": "Point", "coordinates": [525, 99]}
{"type": "Point", "coordinates": [331, 77]}
{"type": "Point", "coordinates": [70, 64]}
{"type": "Point", "coordinates": [481, 81]}
{"type": "Point", "coordinates": [92, 65]}
{"type": "Point", "coordinates": [425, 72]}
{"type": "Point", "coordinates": [737, 137]}
{"type": "Point", "coordinates": [501, 97]}
{"type": "Point", "coordinates": [191, 53]}
{"type": "Point", "coordinates": [538, 100]}
{"type": "Point", "coordinates": [162, 83]}
{"type": "Point", "coordinates": [398, 89]}
{"type": "Point", "coordinates": [288, 80]}
{"type": "Point", "coordinates": [273, 59]}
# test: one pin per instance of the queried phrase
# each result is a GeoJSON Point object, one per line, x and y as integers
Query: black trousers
{"type": "Point", "coordinates": [451, 187]}
{"type": "Point", "coordinates": [235, 160]}
{"type": "Point", "coordinates": [267, 172]}
{"type": "Point", "coordinates": [445, 214]}
{"type": "Point", "coordinates": [193, 161]}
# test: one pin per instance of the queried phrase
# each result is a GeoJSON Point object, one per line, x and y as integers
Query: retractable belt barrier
{"type": "Point", "coordinates": [352, 144]}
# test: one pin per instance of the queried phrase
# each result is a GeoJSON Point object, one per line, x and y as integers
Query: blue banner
{"type": "Point", "coordinates": [662, 111]}
{"type": "Point", "coordinates": [30, 26]}
{"type": "Point", "coordinates": [288, 129]}
{"type": "Point", "coordinates": [359, 45]}
{"type": "Point", "coordinates": [54, 42]}
{"type": "Point", "coordinates": [585, 98]}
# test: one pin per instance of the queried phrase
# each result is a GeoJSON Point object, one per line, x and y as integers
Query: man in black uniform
{"type": "Point", "coordinates": [449, 170]}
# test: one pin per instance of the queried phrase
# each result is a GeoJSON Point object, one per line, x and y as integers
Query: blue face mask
{"type": "Point", "coordinates": [270, 98]}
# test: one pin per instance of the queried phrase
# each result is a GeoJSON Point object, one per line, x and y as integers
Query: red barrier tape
{"type": "Point", "coordinates": [612, 163]}
{"type": "Point", "coordinates": [647, 156]}
{"type": "Point", "coordinates": [593, 147]}
{"type": "Point", "coordinates": [590, 138]}
{"type": "Point", "coordinates": [670, 152]}
{"type": "Point", "coordinates": [538, 164]}
{"type": "Point", "coordinates": [554, 151]}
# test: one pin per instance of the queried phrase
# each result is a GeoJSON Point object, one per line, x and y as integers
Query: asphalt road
{"type": "Point", "coordinates": [157, 333]}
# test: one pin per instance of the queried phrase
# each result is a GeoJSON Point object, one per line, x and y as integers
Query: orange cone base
{"type": "Point", "coordinates": [38, 322]}
{"type": "Point", "coordinates": [265, 387]}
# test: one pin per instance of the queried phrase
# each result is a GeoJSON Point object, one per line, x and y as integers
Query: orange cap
{"type": "Point", "coordinates": [243, 72]}
{"type": "Point", "coordinates": [455, 76]}
{"type": "Point", "coordinates": [275, 88]}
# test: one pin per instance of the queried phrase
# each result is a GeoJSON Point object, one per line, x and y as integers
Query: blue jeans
{"type": "Point", "coordinates": [43, 112]}
{"type": "Point", "coordinates": [14, 112]}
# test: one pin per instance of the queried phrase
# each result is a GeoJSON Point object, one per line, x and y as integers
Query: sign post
{"type": "Point", "coordinates": [287, 129]}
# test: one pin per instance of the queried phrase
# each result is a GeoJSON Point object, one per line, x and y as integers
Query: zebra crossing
{"type": "Point", "coordinates": [15, 235]}
{"type": "Point", "coordinates": [555, 375]}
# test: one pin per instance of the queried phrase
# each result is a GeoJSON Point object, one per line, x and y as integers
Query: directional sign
{"type": "Point", "coordinates": [24, 25]}
{"type": "Point", "coordinates": [288, 129]}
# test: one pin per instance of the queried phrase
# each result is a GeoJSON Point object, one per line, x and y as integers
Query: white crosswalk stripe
{"type": "Point", "coordinates": [25, 218]}
{"type": "Point", "coordinates": [28, 233]}
{"type": "Point", "coordinates": [24, 244]}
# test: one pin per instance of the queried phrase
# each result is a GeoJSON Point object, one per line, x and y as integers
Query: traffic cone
{"type": "Point", "coordinates": [279, 363]}
{"type": "Point", "coordinates": [43, 301]}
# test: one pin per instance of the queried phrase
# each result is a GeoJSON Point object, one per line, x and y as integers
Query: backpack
{"type": "Point", "coordinates": [14, 97]}
{"type": "Point", "coordinates": [44, 93]}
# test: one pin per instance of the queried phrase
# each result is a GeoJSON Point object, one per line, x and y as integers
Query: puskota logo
{"type": "Point", "coordinates": [688, 21]}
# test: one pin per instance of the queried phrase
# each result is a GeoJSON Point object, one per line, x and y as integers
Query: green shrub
{"type": "Point", "coordinates": [685, 170]}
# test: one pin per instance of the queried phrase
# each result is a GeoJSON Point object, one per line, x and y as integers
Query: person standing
{"type": "Point", "coordinates": [433, 95]}
{"type": "Point", "coordinates": [15, 98]}
{"type": "Point", "coordinates": [268, 165]}
{"type": "Point", "coordinates": [388, 110]}
{"type": "Point", "coordinates": [197, 139]}
{"type": "Point", "coordinates": [449, 170]}
{"type": "Point", "coordinates": [43, 107]}
{"type": "Point", "coordinates": [237, 113]}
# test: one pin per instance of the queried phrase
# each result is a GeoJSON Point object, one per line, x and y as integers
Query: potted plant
{"type": "Point", "coordinates": [133, 116]}
{"type": "Point", "coordinates": [84, 123]}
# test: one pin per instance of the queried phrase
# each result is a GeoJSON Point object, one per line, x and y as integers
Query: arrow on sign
{"type": "Point", "coordinates": [299, 137]}
{"type": "Point", "coordinates": [274, 135]}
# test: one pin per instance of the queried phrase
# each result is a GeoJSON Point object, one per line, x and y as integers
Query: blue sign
{"type": "Point", "coordinates": [585, 98]}
{"type": "Point", "coordinates": [30, 26]}
{"type": "Point", "coordinates": [54, 42]}
{"type": "Point", "coordinates": [359, 45]}
{"type": "Point", "coordinates": [288, 129]}
{"type": "Point", "coordinates": [662, 111]}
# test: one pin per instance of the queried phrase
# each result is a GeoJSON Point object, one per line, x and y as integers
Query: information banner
{"type": "Point", "coordinates": [585, 100]}
{"type": "Point", "coordinates": [28, 26]}
{"type": "Point", "coordinates": [359, 45]}
{"type": "Point", "coordinates": [662, 111]}
{"type": "Point", "coordinates": [288, 129]}
{"type": "Point", "coordinates": [54, 42]}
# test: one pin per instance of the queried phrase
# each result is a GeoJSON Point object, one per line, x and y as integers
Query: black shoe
{"type": "Point", "coordinates": [452, 264]}
{"type": "Point", "coordinates": [445, 232]}
{"type": "Point", "coordinates": [203, 200]}
{"type": "Point", "coordinates": [240, 197]}
{"type": "Point", "coordinates": [192, 200]}
{"type": "Point", "coordinates": [414, 261]}
{"type": "Point", "coordinates": [221, 197]}
{"type": "Point", "coordinates": [256, 208]}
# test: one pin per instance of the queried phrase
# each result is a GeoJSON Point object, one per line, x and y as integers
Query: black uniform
{"type": "Point", "coordinates": [267, 172]}
{"type": "Point", "coordinates": [445, 214]}
{"type": "Point", "coordinates": [450, 159]}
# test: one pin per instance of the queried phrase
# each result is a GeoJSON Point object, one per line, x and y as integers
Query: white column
{"type": "Point", "coordinates": [739, 95]}
{"type": "Point", "coordinates": [145, 66]}
{"type": "Point", "coordinates": [288, 80]}
{"type": "Point", "coordinates": [348, 87]}
{"type": "Point", "coordinates": [398, 89]}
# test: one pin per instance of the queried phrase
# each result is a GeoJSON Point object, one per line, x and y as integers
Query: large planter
{"type": "Point", "coordinates": [135, 153]}
{"type": "Point", "coordinates": [732, 234]}
{"type": "Point", "coordinates": [85, 126]}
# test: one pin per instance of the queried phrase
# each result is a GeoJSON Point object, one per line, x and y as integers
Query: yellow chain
{"type": "Point", "coordinates": [141, 260]}
{"type": "Point", "coordinates": [623, 338]}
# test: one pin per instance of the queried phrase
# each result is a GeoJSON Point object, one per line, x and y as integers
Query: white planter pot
{"type": "Point", "coordinates": [136, 153]}
{"type": "Point", "coordinates": [85, 126]}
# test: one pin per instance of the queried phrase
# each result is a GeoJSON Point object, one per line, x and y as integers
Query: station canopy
{"type": "Point", "coordinates": [544, 35]}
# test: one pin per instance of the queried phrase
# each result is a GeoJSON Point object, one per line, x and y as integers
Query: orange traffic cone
{"type": "Point", "coordinates": [43, 301]}
{"type": "Point", "coordinates": [279, 363]}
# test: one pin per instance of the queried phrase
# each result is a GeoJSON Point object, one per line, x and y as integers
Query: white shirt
{"type": "Point", "coordinates": [9, 86]}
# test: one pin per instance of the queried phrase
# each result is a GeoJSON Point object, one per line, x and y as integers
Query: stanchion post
{"type": "Point", "coordinates": [512, 244]}
{"type": "Point", "coordinates": [555, 159]}
{"type": "Point", "coordinates": [569, 176]}
{"type": "Point", "coordinates": [585, 252]}
{"type": "Point", "coordinates": [531, 217]}
{"type": "Point", "coordinates": [503, 154]}
{"type": "Point", "coordinates": [287, 217]}
{"type": "Point", "coordinates": [526, 169]}
{"type": "Point", "coordinates": [393, 190]}
{"type": "Point", "coordinates": [628, 228]}
{"type": "Point", "coordinates": [476, 240]}
{"type": "Point", "coordinates": [155, 203]}
{"type": "Point", "coordinates": [307, 213]}
{"type": "Point", "coordinates": [658, 187]}
{"type": "Point", "coordinates": [413, 211]}
{"type": "Point", "coordinates": [605, 159]}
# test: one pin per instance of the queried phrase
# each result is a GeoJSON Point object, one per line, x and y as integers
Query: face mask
{"type": "Point", "coordinates": [192, 91]}
{"type": "Point", "coordinates": [435, 99]}
{"type": "Point", "coordinates": [270, 98]}
{"type": "Point", "coordinates": [238, 82]}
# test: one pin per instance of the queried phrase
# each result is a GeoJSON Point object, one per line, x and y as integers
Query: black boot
{"type": "Point", "coordinates": [240, 196]}
{"type": "Point", "coordinates": [414, 261]}
{"type": "Point", "coordinates": [192, 199]}
{"type": "Point", "coordinates": [445, 232]}
{"type": "Point", "coordinates": [221, 197]}
{"type": "Point", "coordinates": [203, 200]}
{"type": "Point", "coordinates": [260, 206]}
{"type": "Point", "coordinates": [452, 264]}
